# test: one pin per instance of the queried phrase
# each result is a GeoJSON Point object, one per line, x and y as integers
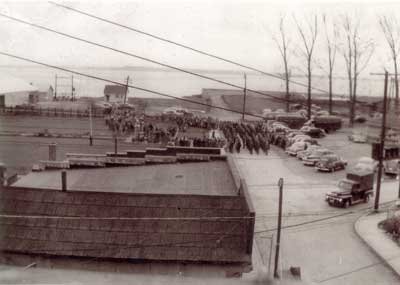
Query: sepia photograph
{"type": "Point", "coordinates": [200, 142]}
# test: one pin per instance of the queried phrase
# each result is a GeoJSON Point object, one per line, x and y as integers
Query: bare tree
{"type": "Point", "coordinates": [391, 31]}
{"type": "Point", "coordinates": [308, 35]}
{"type": "Point", "coordinates": [331, 36]}
{"type": "Point", "coordinates": [357, 53]}
{"type": "Point", "coordinates": [283, 43]}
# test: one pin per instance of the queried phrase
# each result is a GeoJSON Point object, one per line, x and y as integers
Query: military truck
{"type": "Point", "coordinates": [355, 188]}
{"type": "Point", "coordinates": [327, 123]}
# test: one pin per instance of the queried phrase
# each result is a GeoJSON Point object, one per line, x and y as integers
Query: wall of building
{"type": "Point", "coordinates": [114, 98]}
{"type": "Point", "coordinates": [16, 98]}
{"type": "Point", "coordinates": [182, 233]}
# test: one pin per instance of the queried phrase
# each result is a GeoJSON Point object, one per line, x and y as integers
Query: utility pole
{"type": "Point", "coordinates": [278, 236]}
{"type": "Point", "coordinates": [244, 96]}
{"type": "Point", "coordinates": [382, 145]}
{"type": "Point", "coordinates": [126, 90]}
{"type": "Point", "coordinates": [91, 126]}
{"type": "Point", "coordinates": [55, 87]}
{"type": "Point", "coordinates": [115, 144]}
{"type": "Point", "coordinates": [72, 87]}
{"type": "Point", "coordinates": [398, 176]}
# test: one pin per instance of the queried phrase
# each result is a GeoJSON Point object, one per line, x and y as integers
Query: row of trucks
{"type": "Point", "coordinates": [356, 188]}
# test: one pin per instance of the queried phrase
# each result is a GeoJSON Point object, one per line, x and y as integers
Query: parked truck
{"type": "Point", "coordinates": [355, 188]}
{"type": "Point", "coordinates": [327, 123]}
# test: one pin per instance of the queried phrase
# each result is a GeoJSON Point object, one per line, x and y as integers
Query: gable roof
{"type": "Point", "coordinates": [114, 89]}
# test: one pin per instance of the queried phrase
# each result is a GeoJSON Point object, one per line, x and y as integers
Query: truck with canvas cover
{"type": "Point", "coordinates": [355, 188]}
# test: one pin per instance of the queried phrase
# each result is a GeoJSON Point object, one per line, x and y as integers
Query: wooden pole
{"type": "Point", "coordinates": [382, 145]}
{"type": "Point", "coordinates": [244, 96]}
{"type": "Point", "coordinates": [126, 90]}
{"type": "Point", "coordinates": [278, 236]}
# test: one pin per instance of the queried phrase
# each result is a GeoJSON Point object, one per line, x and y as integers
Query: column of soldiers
{"type": "Point", "coordinates": [239, 136]}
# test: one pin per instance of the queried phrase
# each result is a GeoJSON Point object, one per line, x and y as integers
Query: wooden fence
{"type": "Point", "coordinates": [51, 112]}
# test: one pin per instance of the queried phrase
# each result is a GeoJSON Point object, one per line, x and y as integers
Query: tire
{"type": "Point", "coordinates": [366, 199]}
{"type": "Point", "coordinates": [346, 204]}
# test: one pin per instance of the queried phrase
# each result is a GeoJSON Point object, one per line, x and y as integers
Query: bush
{"type": "Point", "coordinates": [391, 225]}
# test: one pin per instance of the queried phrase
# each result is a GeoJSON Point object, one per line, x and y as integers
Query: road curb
{"type": "Point", "coordinates": [373, 249]}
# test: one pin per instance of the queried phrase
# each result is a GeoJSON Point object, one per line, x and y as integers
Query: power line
{"type": "Point", "coordinates": [142, 58]}
{"type": "Point", "coordinates": [181, 45]}
{"type": "Point", "coordinates": [124, 84]}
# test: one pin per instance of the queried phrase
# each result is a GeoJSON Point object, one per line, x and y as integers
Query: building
{"type": "Point", "coordinates": [191, 213]}
{"type": "Point", "coordinates": [114, 93]}
{"type": "Point", "coordinates": [15, 91]}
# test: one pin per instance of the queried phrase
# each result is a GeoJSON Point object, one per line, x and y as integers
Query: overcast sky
{"type": "Point", "coordinates": [238, 30]}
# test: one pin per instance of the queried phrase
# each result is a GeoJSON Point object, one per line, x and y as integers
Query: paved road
{"type": "Point", "coordinates": [329, 251]}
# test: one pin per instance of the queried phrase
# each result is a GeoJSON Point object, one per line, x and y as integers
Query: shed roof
{"type": "Point", "coordinates": [10, 84]}
{"type": "Point", "coordinates": [125, 226]}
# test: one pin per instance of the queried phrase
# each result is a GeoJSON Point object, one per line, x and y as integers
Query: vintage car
{"type": "Point", "coordinates": [391, 167]}
{"type": "Point", "coordinates": [331, 163]}
{"type": "Point", "coordinates": [295, 148]}
{"type": "Point", "coordinates": [358, 138]}
{"type": "Point", "coordinates": [313, 131]}
{"type": "Point", "coordinates": [310, 148]}
{"type": "Point", "coordinates": [315, 156]}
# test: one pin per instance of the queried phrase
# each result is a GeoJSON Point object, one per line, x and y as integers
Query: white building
{"type": "Point", "coordinates": [114, 93]}
{"type": "Point", "coordinates": [15, 91]}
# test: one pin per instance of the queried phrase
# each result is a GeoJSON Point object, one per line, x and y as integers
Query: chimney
{"type": "Point", "coordinates": [53, 152]}
{"type": "Point", "coordinates": [63, 180]}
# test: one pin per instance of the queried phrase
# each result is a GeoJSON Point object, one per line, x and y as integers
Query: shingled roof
{"type": "Point", "coordinates": [125, 226]}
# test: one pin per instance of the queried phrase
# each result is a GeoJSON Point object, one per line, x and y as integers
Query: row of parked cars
{"type": "Point", "coordinates": [303, 145]}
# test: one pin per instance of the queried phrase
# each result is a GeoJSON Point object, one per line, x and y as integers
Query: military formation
{"type": "Point", "coordinates": [253, 137]}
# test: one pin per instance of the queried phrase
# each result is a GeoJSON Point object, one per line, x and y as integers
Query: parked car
{"type": "Point", "coordinates": [360, 119]}
{"type": "Point", "coordinates": [313, 131]}
{"type": "Point", "coordinates": [391, 167]}
{"type": "Point", "coordinates": [310, 148]}
{"type": "Point", "coordinates": [331, 162]}
{"type": "Point", "coordinates": [295, 148]}
{"type": "Point", "coordinates": [358, 138]}
{"type": "Point", "coordinates": [315, 156]}
{"type": "Point", "coordinates": [367, 164]}
{"type": "Point", "coordinates": [298, 138]}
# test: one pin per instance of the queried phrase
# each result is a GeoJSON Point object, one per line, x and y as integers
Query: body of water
{"type": "Point", "coordinates": [173, 82]}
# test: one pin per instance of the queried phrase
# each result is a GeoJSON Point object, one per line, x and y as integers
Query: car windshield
{"type": "Point", "coordinates": [345, 185]}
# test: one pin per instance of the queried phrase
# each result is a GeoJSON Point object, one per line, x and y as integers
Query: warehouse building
{"type": "Point", "coordinates": [185, 213]}
{"type": "Point", "coordinates": [15, 91]}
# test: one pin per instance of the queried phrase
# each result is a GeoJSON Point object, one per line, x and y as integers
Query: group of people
{"type": "Point", "coordinates": [253, 137]}
{"type": "Point", "coordinates": [236, 136]}
{"type": "Point", "coordinates": [199, 142]}
{"type": "Point", "coordinates": [126, 122]}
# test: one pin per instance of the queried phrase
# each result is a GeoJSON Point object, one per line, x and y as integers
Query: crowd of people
{"type": "Point", "coordinates": [199, 142]}
{"type": "Point", "coordinates": [236, 136]}
{"type": "Point", "coordinates": [126, 122]}
{"type": "Point", "coordinates": [253, 137]}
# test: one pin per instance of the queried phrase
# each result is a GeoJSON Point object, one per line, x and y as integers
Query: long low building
{"type": "Point", "coordinates": [15, 91]}
{"type": "Point", "coordinates": [192, 212]}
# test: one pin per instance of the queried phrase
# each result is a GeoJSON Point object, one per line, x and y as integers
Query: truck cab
{"type": "Point", "coordinates": [355, 188]}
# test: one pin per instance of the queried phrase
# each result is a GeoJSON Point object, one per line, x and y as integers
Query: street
{"type": "Point", "coordinates": [328, 251]}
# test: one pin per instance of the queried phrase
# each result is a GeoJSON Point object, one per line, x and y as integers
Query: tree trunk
{"type": "Point", "coordinates": [287, 92]}
{"type": "Point", "coordinates": [396, 83]}
{"type": "Point", "coordinates": [330, 92]}
{"type": "Point", "coordinates": [309, 90]}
